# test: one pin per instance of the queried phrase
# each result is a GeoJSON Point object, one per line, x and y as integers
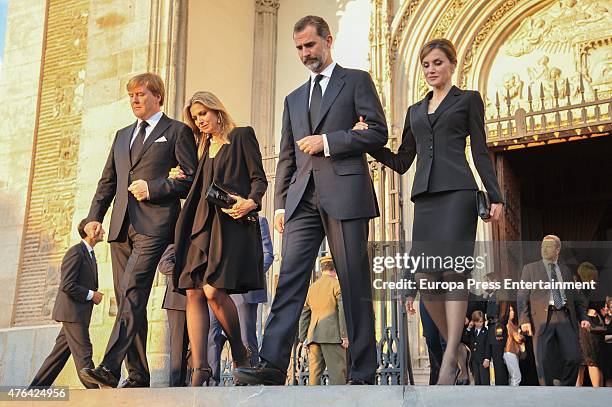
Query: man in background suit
{"type": "Point", "coordinates": [78, 292]}
{"type": "Point", "coordinates": [323, 327]}
{"type": "Point", "coordinates": [247, 305]}
{"type": "Point", "coordinates": [146, 207]}
{"type": "Point", "coordinates": [323, 188]}
{"type": "Point", "coordinates": [174, 304]}
{"type": "Point", "coordinates": [551, 316]}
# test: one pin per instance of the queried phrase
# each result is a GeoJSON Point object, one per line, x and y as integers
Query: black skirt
{"type": "Point", "coordinates": [444, 225]}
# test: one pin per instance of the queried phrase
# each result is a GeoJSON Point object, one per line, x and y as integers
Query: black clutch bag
{"type": "Point", "coordinates": [483, 204]}
{"type": "Point", "coordinates": [221, 198]}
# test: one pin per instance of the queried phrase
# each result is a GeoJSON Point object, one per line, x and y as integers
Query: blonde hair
{"type": "Point", "coordinates": [587, 272]}
{"type": "Point", "coordinates": [152, 81]}
{"type": "Point", "coordinates": [210, 102]}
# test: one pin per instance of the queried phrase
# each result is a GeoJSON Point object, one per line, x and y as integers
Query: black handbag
{"type": "Point", "coordinates": [483, 204]}
{"type": "Point", "coordinates": [221, 198]}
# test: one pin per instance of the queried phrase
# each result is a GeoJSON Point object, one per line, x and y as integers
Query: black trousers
{"type": "Point", "coordinates": [179, 344]}
{"type": "Point", "coordinates": [73, 339]}
{"type": "Point", "coordinates": [559, 332]}
{"type": "Point", "coordinates": [481, 374]}
{"type": "Point", "coordinates": [347, 239]}
{"type": "Point", "coordinates": [497, 356]}
{"type": "Point", "coordinates": [135, 258]}
{"type": "Point", "coordinates": [247, 315]}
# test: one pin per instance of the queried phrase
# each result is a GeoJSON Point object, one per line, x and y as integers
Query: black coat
{"type": "Point", "coordinates": [171, 143]}
{"type": "Point", "coordinates": [79, 274]}
{"type": "Point", "coordinates": [479, 344]}
{"type": "Point", "coordinates": [236, 244]}
{"type": "Point", "coordinates": [438, 142]}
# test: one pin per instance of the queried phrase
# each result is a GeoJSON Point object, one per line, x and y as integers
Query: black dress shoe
{"type": "Point", "coordinates": [357, 382]}
{"type": "Point", "coordinates": [100, 376]}
{"type": "Point", "coordinates": [130, 383]}
{"type": "Point", "coordinates": [262, 373]}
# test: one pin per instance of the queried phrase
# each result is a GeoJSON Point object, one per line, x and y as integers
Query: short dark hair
{"type": "Point", "coordinates": [81, 228]}
{"type": "Point", "coordinates": [317, 22]}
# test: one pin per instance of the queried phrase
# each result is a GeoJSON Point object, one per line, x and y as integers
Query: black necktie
{"type": "Point", "coordinates": [315, 101]}
{"type": "Point", "coordinates": [138, 142]}
{"type": "Point", "coordinates": [556, 292]}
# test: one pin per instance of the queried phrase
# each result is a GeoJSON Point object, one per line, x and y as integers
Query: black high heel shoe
{"type": "Point", "coordinates": [206, 373]}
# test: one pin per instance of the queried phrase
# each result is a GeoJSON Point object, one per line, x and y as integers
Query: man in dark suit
{"type": "Point", "coordinates": [551, 316]}
{"type": "Point", "coordinates": [78, 292]}
{"type": "Point", "coordinates": [476, 337]}
{"type": "Point", "coordinates": [146, 207]}
{"type": "Point", "coordinates": [247, 305]}
{"type": "Point", "coordinates": [174, 304]}
{"type": "Point", "coordinates": [323, 188]}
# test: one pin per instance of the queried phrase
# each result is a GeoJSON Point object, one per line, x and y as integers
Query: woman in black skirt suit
{"type": "Point", "coordinates": [218, 251]}
{"type": "Point", "coordinates": [444, 189]}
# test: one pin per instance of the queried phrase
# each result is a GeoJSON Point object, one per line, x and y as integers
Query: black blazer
{"type": "Point", "coordinates": [439, 143]}
{"type": "Point", "coordinates": [479, 344]}
{"type": "Point", "coordinates": [533, 304]}
{"type": "Point", "coordinates": [79, 274]}
{"type": "Point", "coordinates": [343, 178]}
{"type": "Point", "coordinates": [241, 172]}
{"type": "Point", "coordinates": [156, 216]}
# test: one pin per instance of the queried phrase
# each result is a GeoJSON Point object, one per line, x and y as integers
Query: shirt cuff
{"type": "Point", "coordinates": [147, 186]}
{"type": "Point", "coordinates": [90, 295]}
{"type": "Point", "coordinates": [325, 146]}
{"type": "Point", "coordinates": [278, 212]}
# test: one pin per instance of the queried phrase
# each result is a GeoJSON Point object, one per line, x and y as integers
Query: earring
{"type": "Point", "coordinates": [218, 120]}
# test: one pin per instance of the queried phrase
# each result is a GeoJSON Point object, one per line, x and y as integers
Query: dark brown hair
{"type": "Point", "coordinates": [317, 22]}
{"type": "Point", "coordinates": [442, 44]}
{"type": "Point", "coordinates": [81, 228]}
{"type": "Point", "coordinates": [477, 316]}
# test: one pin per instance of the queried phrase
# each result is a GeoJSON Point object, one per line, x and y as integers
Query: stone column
{"type": "Point", "coordinates": [264, 81]}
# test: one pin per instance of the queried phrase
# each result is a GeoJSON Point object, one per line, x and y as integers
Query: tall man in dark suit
{"type": "Point", "coordinates": [323, 188]}
{"type": "Point", "coordinates": [78, 292]}
{"type": "Point", "coordinates": [551, 316]}
{"type": "Point", "coordinates": [146, 207]}
{"type": "Point", "coordinates": [175, 304]}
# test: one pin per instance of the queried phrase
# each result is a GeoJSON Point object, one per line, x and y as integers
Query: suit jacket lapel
{"type": "Point", "coordinates": [450, 99]}
{"type": "Point", "coordinates": [92, 266]}
{"type": "Point", "coordinates": [124, 144]}
{"type": "Point", "coordinates": [303, 97]}
{"type": "Point", "coordinates": [422, 112]}
{"type": "Point", "coordinates": [162, 125]}
{"type": "Point", "coordinates": [335, 85]}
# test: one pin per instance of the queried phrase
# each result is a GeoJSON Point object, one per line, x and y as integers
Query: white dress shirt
{"type": "Point", "coordinates": [327, 73]}
{"type": "Point", "coordinates": [152, 121]}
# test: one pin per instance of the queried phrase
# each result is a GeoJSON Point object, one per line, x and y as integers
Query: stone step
{"type": "Point", "coordinates": [337, 396]}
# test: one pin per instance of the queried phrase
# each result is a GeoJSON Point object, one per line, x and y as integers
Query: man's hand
{"type": "Point", "coordinates": [410, 306]}
{"type": "Point", "coordinates": [241, 208]}
{"type": "Point", "coordinates": [279, 222]}
{"type": "Point", "coordinates": [585, 325]}
{"type": "Point", "coordinates": [345, 343]}
{"type": "Point", "coordinates": [527, 329]}
{"type": "Point", "coordinates": [311, 144]}
{"type": "Point", "coordinates": [93, 229]}
{"type": "Point", "coordinates": [139, 189]}
{"type": "Point", "coordinates": [97, 297]}
{"type": "Point", "coordinates": [486, 363]}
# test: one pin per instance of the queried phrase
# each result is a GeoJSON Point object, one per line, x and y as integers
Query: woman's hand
{"type": "Point", "coordinates": [241, 208]}
{"type": "Point", "coordinates": [361, 124]}
{"type": "Point", "coordinates": [179, 175]}
{"type": "Point", "coordinates": [496, 212]}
